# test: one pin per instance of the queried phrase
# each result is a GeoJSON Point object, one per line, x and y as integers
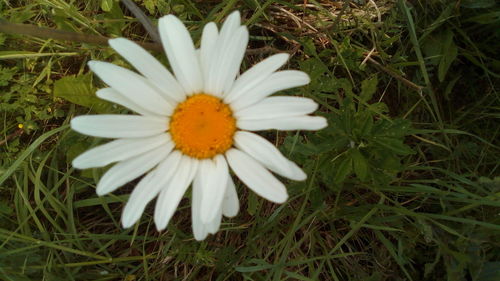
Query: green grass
{"type": "Point", "coordinates": [402, 185]}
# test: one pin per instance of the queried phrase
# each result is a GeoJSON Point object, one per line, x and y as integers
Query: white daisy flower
{"type": "Point", "coordinates": [194, 126]}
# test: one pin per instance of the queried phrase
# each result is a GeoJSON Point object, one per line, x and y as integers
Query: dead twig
{"type": "Point", "coordinates": [49, 33]}
{"type": "Point", "coordinates": [396, 75]}
{"type": "Point", "coordinates": [17, 133]}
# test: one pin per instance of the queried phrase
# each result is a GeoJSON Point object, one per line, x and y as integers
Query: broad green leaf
{"type": "Point", "coordinates": [253, 204]}
{"type": "Point", "coordinates": [106, 5]}
{"type": "Point", "coordinates": [364, 124]}
{"type": "Point", "coordinates": [399, 128]}
{"type": "Point", "coordinates": [379, 108]}
{"type": "Point", "coordinates": [315, 68]}
{"type": "Point", "coordinates": [396, 145]}
{"type": "Point", "coordinates": [368, 88]}
{"type": "Point", "coordinates": [309, 47]}
{"type": "Point", "coordinates": [346, 85]}
{"type": "Point", "coordinates": [360, 164]}
{"type": "Point", "coordinates": [343, 169]}
{"type": "Point", "coordinates": [390, 163]}
{"type": "Point", "coordinates": [79, 90]}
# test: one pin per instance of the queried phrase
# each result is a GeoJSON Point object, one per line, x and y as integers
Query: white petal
{"type": "Point", "coordinates": [268, 155]}
{"type": "Point", "coordinates": [310, 123]}
{"type": "Point", "coordinates": [199, 230]}
{"type": "Point", "coordinates": [150, 67]}
{"type": "Point", "coordinates": [255, 75]}
{"type": "Point", "coordinates": [278, 81]}
{"type": "Point", "coordinates": [119, 126]}
{"type": "Point", "coordinates": [114, 96]}
{"type": "Point", "coordinates": [131, 169]}
{"type": "Point", "coordinates": [213, 226]}
{"type": "Point", "coordinates": [277, 107]}
{"type": "Point", "coordinates": [118, 150]}
{"type": "Point", "coordinates": [133, 86]}
{"type": "Point", "coordinates": [232, 22]}
{"type": "Point", "coordinates": [231, 204]}
{"type": "Point", "coordinates": [171, 195]}
{"type": "Point", "coordinates": [231, 41]}
{"type": "Point", "coordinates": [138, 200]}
{"type": "Point", "coordinates": [148, 188]}
{"type": "Point", "coordinates": [181, 54]}
{"type": "Point", "coordinates": [256, 177]}
{"type": "Point", "coordinates": [214, 186]}
{"type": "Point", "coordinates": [227, 61]}
{"type": "Point", "coordinates": [235, 54]}
{"type": "Point", "coordinates": [207, 48]}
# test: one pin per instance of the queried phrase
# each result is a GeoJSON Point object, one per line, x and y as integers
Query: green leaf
{"type": "Point", "coordinates": [343, 170]}
{"type": "Point", "coordinates": [79, 90]}
{"type": "Point", "coordinates": [253, 204]}
{"type": "Point", "coordinates": [106, 5]}
{"type": "Point", "coordinates": [314, 67]}
{"type": "Point", "coordinates": [378, 108]}
{"type": "Point", "coordinates": [368, 88]}
{"type": "Point", "coordinates": [395, 145]}
{"type": "Point", "coordinates": [448, 55]}
{"type": "Point", "coordinates": [399, 128]}
{"type": "Point", "coordinates": [6, 75]}
{"type": "Point", "coordinates": [360, 164]}
{"type": "Point", "coordinates": [363, 124]}
{"type": "Point", "coordinates": [309, 46]}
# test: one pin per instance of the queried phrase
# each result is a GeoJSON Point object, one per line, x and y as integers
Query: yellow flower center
{"type": "Point", "coordinates": [202, 126]}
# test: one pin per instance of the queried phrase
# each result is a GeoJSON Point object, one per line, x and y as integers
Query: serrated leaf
{"type": "Point", "coordinates": [309, 47]}
{"type": "Point", "coordinates": [346, 85]}
{"type": "Point", "coordinates": [79, 90]}
{"type": "Point", "coordinates": [315, 68]}
{"type": "Point", "coordinates": [343, 169]}
{"type": "Point", "coordinates": [368, 88]}
{"type": "Point", "coordinates": [390, 163]}
{"type": "Point", "coordinates": [151, 6]}
{"type": "Point", "coordinates": [360, 164]}
{"type": "Point", "coordinates": [364, 124]}
{"type": "Point", "coordinates": [379, 108]}
{"type": "Point", "coordinates": [395, 145]}
{"type": "Point", "coordinates": [398, 128]}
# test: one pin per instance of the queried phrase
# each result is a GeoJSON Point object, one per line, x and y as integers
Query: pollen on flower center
{"type": "Point", "coordinates": [202, 126]}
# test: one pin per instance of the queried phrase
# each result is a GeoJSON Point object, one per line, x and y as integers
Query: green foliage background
{"type": "Point", "coordinates": [403, 184]}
